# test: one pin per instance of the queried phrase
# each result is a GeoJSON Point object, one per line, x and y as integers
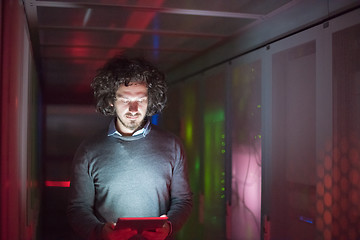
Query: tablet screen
{"type": "Point", "coordinates": [141, 223]}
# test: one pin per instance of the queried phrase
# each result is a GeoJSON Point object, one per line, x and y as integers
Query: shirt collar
{"type": "Point", "coordinates": [113, 132]}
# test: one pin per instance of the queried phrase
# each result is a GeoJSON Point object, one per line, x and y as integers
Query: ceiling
{"type": "Point", "coordinates": [71, 39]}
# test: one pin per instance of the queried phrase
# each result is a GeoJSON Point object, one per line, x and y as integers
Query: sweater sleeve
{"type": "Point", "coordinates": [181, 196]}
{"type": "Point", "coordinates": [80, 210]}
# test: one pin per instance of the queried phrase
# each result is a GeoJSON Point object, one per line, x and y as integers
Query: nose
{"type": "Point", "coordinates": [133, 106]}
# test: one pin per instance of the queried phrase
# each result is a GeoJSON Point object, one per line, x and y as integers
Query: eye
{"type": "Point", "coordinates": [124, 100]}
{"type": "Point", "coordinates": [141, 100]}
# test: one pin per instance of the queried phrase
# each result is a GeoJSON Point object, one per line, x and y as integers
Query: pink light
{"type": "Point", "coordinates": [137, 20]}
{"type": "Point", "coordinates": [57, 183]}
{"type": "Point", "coordinates": [246, 188]}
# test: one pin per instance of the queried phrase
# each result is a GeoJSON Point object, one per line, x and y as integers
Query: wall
{"type": "Point", "coordinates": [20, 138]}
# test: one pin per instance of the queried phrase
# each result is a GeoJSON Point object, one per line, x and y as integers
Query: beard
{"type": "Point", "coordinates": [132, 124]}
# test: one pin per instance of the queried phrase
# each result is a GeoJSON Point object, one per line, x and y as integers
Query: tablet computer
{"type": "Point", "coordinates": [141, 223]}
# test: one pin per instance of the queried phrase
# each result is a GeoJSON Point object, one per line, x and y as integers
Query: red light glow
{"type": "Point", "coordinates": [57, 183]}
{"type": "Point", "coordinates": [137, 20]}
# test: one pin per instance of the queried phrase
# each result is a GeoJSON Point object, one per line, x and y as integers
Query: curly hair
{"type": "Point", "coordinates": [120, 70]}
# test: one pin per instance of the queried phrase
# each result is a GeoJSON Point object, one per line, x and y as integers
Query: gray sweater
{"type": "Point", "coordinates": [137, 176]}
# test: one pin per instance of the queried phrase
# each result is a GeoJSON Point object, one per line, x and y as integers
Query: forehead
{"type": "Point", "coordinates": [133, 89]}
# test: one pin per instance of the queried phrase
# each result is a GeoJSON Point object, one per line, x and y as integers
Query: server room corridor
{"type": "Point", "coordinates": [264, 96]}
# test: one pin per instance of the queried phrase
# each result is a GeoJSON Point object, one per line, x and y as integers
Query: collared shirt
{"type": "Point", "coordinates": [113, 132]}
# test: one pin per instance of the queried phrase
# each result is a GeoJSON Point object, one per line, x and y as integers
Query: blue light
{"type": "Point", "coordinates": [306, 219]}
{"type": "Point", "coordinates": [155, 119]}
{"type": "Point", "coordinates": [156, 38]}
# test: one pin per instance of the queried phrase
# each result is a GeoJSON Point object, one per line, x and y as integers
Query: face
{"type": "Point", "coordinates": [130, 106]}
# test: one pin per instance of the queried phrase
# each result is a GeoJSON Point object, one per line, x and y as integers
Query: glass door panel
{"type": "Point", "coordinates": [345, 179]}
{"type": "Point", "coordinates": [245, 114]}
{"type": "Point", "coordinates": [293, 171]}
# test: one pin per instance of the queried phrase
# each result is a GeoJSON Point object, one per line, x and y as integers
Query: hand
{"type": "Point", "coordinates": [158, 234]}
{"type": "Point", "coordinates": [109, 232]}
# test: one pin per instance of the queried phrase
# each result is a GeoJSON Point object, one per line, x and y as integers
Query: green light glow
{"type": "Point", "coordinates": [214, 158]}
{"type": "Point", "coordinates": [190, 106]}
{"type": "Point", "coordinates": [197, 164]}
{"type": "Point", "coordinates": [189, 132]}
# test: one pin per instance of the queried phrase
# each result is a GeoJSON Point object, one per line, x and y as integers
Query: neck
{"type": "Point", "coordinates": [124, 131]}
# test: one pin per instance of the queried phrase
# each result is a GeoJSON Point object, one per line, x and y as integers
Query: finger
{"type": "Point", "coordinates": [125, 233]}
{"type": "Point", "coordinates": [160, 230]}
{"type": "Point", "coordinates": [125, 230]}
{"type": "Point", "coordinates": [157, 235]}
{"type": "Point", "coordinates": [112, 226]}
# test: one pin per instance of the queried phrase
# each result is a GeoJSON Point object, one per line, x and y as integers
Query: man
{"type": "Point", "coordinates": [134, 169]}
